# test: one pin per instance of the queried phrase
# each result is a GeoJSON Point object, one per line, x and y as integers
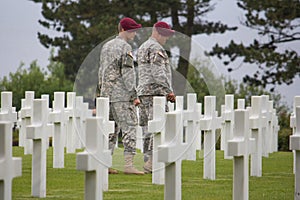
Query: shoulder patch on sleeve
{"type": "Point", "coordinates": [130, 54]}
{"type": "Point", "coordinates": [161, 54]}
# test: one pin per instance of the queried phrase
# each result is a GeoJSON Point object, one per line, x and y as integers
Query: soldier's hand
{"type": "Point", "coordinates": [94, 112]}
{"type": "Point", "coordinates": [136, 102]}
{"type": "Point", "coordinates": [171, 97]}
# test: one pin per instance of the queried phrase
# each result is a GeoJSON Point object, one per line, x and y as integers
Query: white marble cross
{"type": "Point", "coordinates": [25, 115]}
{"type": "Point", "coordinates": [240, 147]}
{"type": "Point", "coordinates": [157, 127]}
{"type": "Point", "coordinates": [227, 131]}
{"type": "Point", "coordinates": [86, 113]}
{"type": "Point", "coordinates": [102, 111]}
{"type": "Point", "coordinates": [296, 103]}
{"type": "Point", "coordinates": [94, 159]}
{"type": "Point", "coordinates": [275, 129]}
{"type": "Point", "coordinates": [255, 126]}
{"type": "Point", "coordinates": [38, 131]}
{"type": "Point", "coordinates": [79, 133]}
{"type": "Point", "coordinates": [264, 123]}
{"type": "Point", "coordinates": [270, 129]}
{"type": "Point", "coordinates": [191, 116]}
{"type": "Point", "coordinates": [241, 104]}
{"type": "Point", "coordinates": [198, 129]}
{"type": "Point", "coordinates": [171, 106]}
{"type": "Point", "coordinates": [70, 113]}
{"type": "Point", "coordinates": [50, 133]}
{"type": "Point", "coordinates": [209, 123]}
{"type": "Point", "coordinates": [58, 118]}
{"type": "Point", "coordinates": [295, 145]}
{"type": "Point", "coordinates": [171, 153]}
{"type": "Point", "coordinates": [7, 112]}
{"type": "Point", "coordinates": [179, 108]}
{"type": "Point", "coordinates": [10, 167]}
{"type": "Point", "coordinates": [139, 137]}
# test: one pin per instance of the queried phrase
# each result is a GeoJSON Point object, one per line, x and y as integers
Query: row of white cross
{"type": "Point", "coordinates": [177, 137]}
{"type": "Point", "coordinates": [36, 124]}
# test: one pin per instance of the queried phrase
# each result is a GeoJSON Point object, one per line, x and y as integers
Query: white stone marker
{"type": "Point", "coordinates": [139, 133]}
{"type": "Point", "coordinates": [26, 116]}
{"type": "Point", "coordinates": [255, 128]}
{"type": "Point", "coordinates": [157, 127]}
{"type": "Point", "coordinates": [87, 113]}
{"type": "Point", "coordinates": [38, 132]}
{"type": "Point", "coordinates": [239, 148]}
{"type": "Point", "coordinates": [179, 108]}
{"type": "Point", "coordinates": [7, 112]}
{"type": "Point", "coordinates": [209, 123]}
{"type": "Point", "coordinates": [295, 145]}
{"type": "Point", "coordinates": [70, 112]}
{"type": "Point", "coordinates": [264, 123]}
{"type": "Point", "coordinates": [191, 116]}
{"type": "Point", "coordinates": [171, 153]}
{"type": "Point", "coordinates": [102, 111]}
{"type": "Point", "coordinates": [228, 126]}
{"type": "Point", "coordinates": [171, 106]}
{"type": "Point", "coordinates": [276, 129]}
{"type": "Point", "coordinates": [139, 138]}
{"type": "Point", "coordinates": [296, 103]}
{"type": "Point", "coordinates": [270, 128]}
{"type": "Point", "coordinates": [58, 118]}
{"type": "Point", "coordinates": [198, 130]}
{"type": "Point", "coordinates": [50, 133]}
{"type": "Point", "coordinates": [222, 135]}
{"type": "Point", "coordinates": [241, 104]}
{"type": "Point", "coordinates": [10, 167]}
{"type": "Point", "coordinates": [78, 122]}
{"type": "Point", "coordinates": [94, 158]}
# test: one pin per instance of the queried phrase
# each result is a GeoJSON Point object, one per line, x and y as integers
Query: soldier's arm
{"type": "Point", "coordinates": [159, 71]}
{"type": "Point", "coordinates": [128, 74]}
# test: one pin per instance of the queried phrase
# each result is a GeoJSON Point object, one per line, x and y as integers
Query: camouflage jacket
{"type": "Point", "coordinates": [117, 78]}
{"type": "Point", "coordinates": [154, 70]}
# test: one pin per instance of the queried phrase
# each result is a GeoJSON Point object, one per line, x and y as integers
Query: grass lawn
{"type": "Point", "coordinates": [277, 181]}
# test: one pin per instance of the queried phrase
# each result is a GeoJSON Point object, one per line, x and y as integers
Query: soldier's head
{"type": "Point", "coordinates": [161, 32]}
{"type": "Point", "coordinates": [127, 28]}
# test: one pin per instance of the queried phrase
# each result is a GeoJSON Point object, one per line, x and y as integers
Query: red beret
{"type": "Point", "coordinates": [129, 24]}
{"type": "Point", "coordinates": [164, 29]}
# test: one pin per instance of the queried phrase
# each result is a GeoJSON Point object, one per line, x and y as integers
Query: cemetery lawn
{"type": "Point", "coordinates": [277, 181]}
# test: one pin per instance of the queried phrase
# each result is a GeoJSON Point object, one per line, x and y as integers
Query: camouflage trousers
{"type": "Point", "coordinates": [146, 114]}
{"type": "Point", "coordinates": [125, 116]}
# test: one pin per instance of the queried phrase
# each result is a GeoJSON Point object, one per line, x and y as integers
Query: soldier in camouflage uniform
{"type": "Point", "coordinates": [117, 81]}
{"type": "Point", "coordinates": [154, 73]}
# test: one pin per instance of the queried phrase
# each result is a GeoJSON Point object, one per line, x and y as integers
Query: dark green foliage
{"type": "Point", "coordinates": [284, 138]}
{"type": "Point", "coordinates": [82, 25]}
{"type": "Point", "coordinates": [277, 24]}
{"type": "Point", "coordinates": [36, 79]}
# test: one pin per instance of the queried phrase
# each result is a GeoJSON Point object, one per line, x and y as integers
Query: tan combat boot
{"type": "Point", "coordinates": [148, 166]}
{"type": "Point", "coordinates": [129, 168]}
{"type": "Point", "coordinates": [112, 171]}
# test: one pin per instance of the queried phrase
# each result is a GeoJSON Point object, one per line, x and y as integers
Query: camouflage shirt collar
{"type": "Point", "coordinates": [155, 40]}
{"type": "Point", "coordinates": [120, 38]}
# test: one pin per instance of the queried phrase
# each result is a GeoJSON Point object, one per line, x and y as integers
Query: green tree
{"type": "Point", "coordinates": [36, 79]}
{"type": "Point", "coordinates": [83, 24]}
{"type": "Point", "coordinates": [277, 23]}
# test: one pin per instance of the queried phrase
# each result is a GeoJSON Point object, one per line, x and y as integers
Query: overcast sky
{"type": "Point", "coordinates": [19, 42]}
